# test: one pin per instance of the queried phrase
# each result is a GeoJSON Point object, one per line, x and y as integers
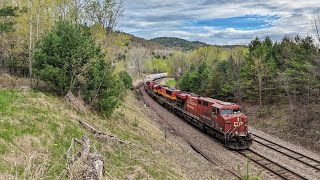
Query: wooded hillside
{"type": "Point", "coordinates": [178, 43]}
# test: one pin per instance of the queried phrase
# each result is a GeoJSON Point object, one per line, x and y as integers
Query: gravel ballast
{"type": "Point", "coordinates": [227, 159]}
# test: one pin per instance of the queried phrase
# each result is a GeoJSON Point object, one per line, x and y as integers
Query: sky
{"type": "Point", "coordinates": [221, 22]}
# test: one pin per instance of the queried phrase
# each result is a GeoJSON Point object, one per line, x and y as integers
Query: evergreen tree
{"type": "Point", "coordinates": [214, 87]}
{"type": "Point", "coordinates": [68, 60]}
{"type": "Point", "coordinates": [259, 71]}
{"type": "Point", "coordinates": [126, 79]}
{"type": "Point", "coordinates": [6, 22]}
{"type": "Point", "coordinates": [299, 68]}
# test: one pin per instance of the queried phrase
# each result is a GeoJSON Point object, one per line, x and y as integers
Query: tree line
{"type": "Point", "coordinates": [66, 44]}
{"type": "Point", "coordinates": [270, 72]}
{"type": "Point", "coordinates": [264, 72]}
{"type": "Point", "coordinates": [23, 22]}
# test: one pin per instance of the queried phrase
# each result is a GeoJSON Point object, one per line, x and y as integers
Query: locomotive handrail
{"type": "Point", "coordinates": [231, 133]}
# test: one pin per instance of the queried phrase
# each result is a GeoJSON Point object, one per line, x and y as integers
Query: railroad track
{"type": "Point", "coordinates": [194, 147]}
{"type": "Point", "coordinates": [306, 160]}
{"type": "Point", "coordinates": [275, 168]}
{"type": "Point", "coordinates": [201, 152]}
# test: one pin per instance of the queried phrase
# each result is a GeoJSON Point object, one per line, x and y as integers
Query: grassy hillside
{"type": "Point", "coordinates": [36, 130]}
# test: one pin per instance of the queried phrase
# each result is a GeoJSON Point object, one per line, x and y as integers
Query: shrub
{"type": "Point", "coordinates": [126, 79]}
{"type": "Point", "coordinates": [68, 59]}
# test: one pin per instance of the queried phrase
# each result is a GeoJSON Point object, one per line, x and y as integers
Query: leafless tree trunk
{"type": "Point", "coordinates": [104, 12]}
{"type": "Point", "coordinates": [284, 82]}
{"type": "Point", "coordinates": [39, 10]}
{"type": "Point", "coordinates": [30, 43]}
{"type": "Point", "coordinates": [237, 57]}
{"type": "Point", "coordinates": [137, 56]}
{"type": "Point", "coordinates": [316, 24]}
{"type": "Point", "coordinates": [261, 71]}
{"type": "Point", "coordinates": [260, 90]}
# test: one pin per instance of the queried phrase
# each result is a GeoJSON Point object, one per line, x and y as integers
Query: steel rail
{"type": "Point", "coordinates": [278, 169]}
{"type": "Point", "coordinates": [289, 150]}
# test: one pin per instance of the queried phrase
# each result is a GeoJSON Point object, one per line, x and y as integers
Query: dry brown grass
{"type": "Point", "coordinates": [11, 82]}
{"type": "Point", "coordinates": [38, 128]}
{"type": "Point", "coordinates": [50, 123]}
{"type": "Point", "coordinates": [7, 81]}
{"type": "Point", "coordinates": [137, 173]}
{"type": "Point", "coordinates": [76, 102]}
{"type": "Point", "coordinates": [28, 153]}
{"type": "Point", "coordinates": [299, 126]}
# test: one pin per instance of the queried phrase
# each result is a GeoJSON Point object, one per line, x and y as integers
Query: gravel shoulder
{"type": "Point", "coordinates": [289, 163]}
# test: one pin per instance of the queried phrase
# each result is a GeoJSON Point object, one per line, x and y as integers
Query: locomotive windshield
{"type": "Point", "coordinates": [230, 111]}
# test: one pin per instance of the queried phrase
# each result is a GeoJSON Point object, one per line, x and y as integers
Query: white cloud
{"type": "Point", "coordinates": [156, 18]}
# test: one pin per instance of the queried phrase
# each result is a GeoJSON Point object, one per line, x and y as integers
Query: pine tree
{"type": "Point", "coordinates": [68, 60]}
{"type": "Point", "coordinates": [6, 21]}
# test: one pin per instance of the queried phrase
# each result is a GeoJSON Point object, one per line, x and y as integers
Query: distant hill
{"type": "Point", "coordinates": [170, 43]}
{"type": "Point", "coordinates": [178, 43]}
{"type": "Point", "coordinates": [141, 42]}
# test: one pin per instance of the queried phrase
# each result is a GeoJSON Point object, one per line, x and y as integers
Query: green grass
{"type": "Point", "coordinates": [171, 83]}
{"type": "Point", "coordinates": [6, 99]}
{"type": "Point", "coordinates": [3, 149]}
{"type": "Point", "coordinates": [35, 115]}
{"type": "Point", "coordinates": [34, 124]}
{"type": "Point", "coordinates": [246, 175]}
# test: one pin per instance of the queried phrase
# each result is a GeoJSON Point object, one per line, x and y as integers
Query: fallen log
{"type": "Point", "coordinates": [100, 134]}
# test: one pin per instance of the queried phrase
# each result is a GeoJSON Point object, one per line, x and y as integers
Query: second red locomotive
{"type": "Point", "coordinates": [223, 120]}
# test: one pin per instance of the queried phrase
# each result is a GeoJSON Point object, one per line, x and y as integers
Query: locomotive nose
{"type": "Point", "coordinates": [240, 125]}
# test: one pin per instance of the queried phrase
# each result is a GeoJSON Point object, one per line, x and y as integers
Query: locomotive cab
{"type": "Point", "coordinates": [233, 123]}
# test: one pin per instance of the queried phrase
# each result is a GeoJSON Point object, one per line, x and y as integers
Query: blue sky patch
{"type": "Point", "coordinates": [248, 22]}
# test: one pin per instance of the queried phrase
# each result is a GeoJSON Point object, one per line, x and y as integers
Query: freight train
{"type": "Point", "coordinates": [223, 120]}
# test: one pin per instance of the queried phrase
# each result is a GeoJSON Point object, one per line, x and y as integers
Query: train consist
{"type": "Point", "coordinates": [223, 120]}
{"type": "Point", "coordinates": [153, 77]}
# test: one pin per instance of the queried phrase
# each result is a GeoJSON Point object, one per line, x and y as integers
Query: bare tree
{"type": "Point", "coordinates": [178, 64]}
{"type": "Point", "coordinates": [31, 42]}
{"type": "Point", "coordinates": [316, 24]}
{"type": "Point", "coordinates": [261, 71]}
{"type": "Point", "coordinates": [137, 57]}
{"type": "Point", "coordinates": [236, 59]}
{"type": "Point", "coordinates": [105, 12]}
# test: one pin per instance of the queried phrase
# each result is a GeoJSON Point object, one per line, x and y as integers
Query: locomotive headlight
{"type": "Point", "coordinates": [238, 118]}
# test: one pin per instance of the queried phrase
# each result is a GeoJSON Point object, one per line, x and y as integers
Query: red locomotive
{"type": "Point", "coordinates": [223, 120]}
{"type": "Point", "coordinates": [169, 93]}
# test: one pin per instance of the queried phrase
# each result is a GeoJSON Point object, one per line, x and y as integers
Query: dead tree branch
{"type": "Point", "coordinates": [85, 164]}
{"type": "Point", "coordinates": [100, 134]}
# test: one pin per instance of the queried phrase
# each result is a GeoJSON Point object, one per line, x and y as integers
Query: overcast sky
{"type": "Point", "coordinates": [218, 21]}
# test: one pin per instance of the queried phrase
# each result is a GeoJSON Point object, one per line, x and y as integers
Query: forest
{"type": "Point", "coordinates": [268, 73]}
{"type": "Point", "coordinates": [264, 72]}
{"type": "Point", "coordinates": [64, 44]}
{"type": "Point", "coordinates": [67, 72]}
